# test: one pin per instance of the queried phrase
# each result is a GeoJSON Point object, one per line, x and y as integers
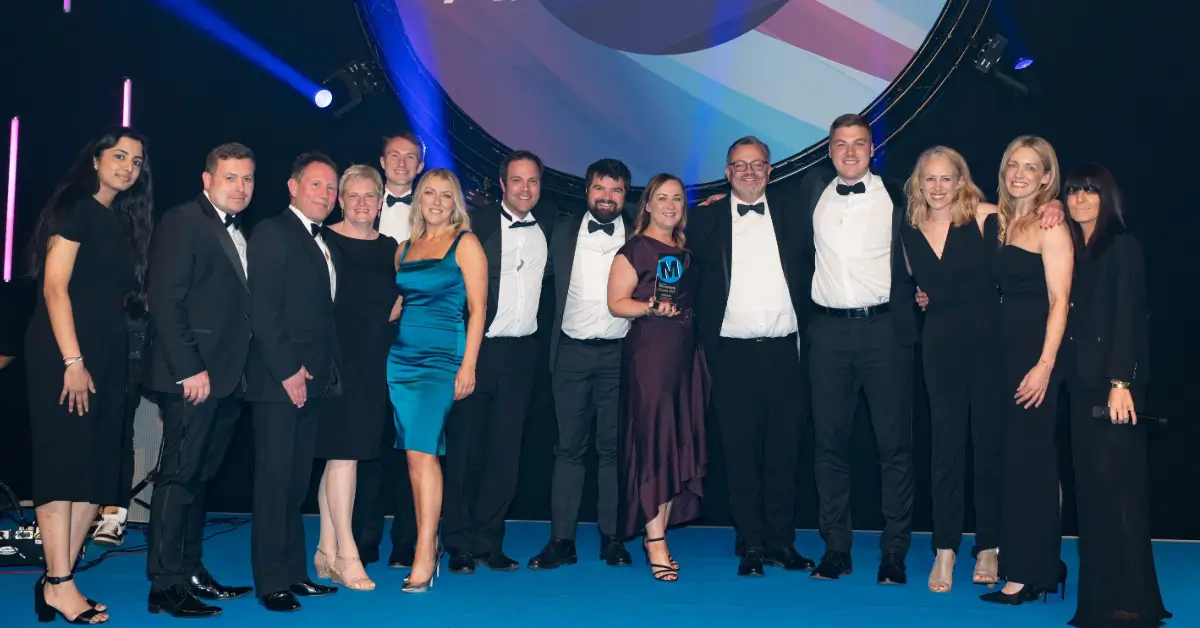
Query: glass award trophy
{"type": "Point", "coordinates": [666, 280]}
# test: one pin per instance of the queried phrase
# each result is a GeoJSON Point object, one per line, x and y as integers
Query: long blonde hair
{"type": "Point", "coordinates": [967, 195]}
{"type": "Point", "coordinates": [643, 214]}
{"type": "Point", "coordinates": [1045, 193]}
{"type": "Point", "coordinates": [460, 220]}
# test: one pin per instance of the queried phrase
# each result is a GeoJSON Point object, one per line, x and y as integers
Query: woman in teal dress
{"type": "Point", "coordinates": [440, 272]}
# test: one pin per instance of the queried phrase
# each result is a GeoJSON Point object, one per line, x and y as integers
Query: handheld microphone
{"type": "Point", "coordinates": [1101, 412]}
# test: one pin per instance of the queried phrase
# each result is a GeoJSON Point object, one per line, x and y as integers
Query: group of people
{"type": "Point", "coordinates": [405, 333]}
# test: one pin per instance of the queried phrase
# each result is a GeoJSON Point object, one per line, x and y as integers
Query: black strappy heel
{"type": "Point", "coordinates": [47, 613]}
{"type": "Point", "coordinates": [662, 573]}
{"type": "Point", "coordinates": [670, 559]}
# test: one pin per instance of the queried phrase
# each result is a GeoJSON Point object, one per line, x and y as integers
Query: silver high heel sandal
{"type": "Point", "coordinates": [424, 587]}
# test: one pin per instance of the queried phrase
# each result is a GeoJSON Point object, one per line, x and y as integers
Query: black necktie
{"type": "Point", "coordinates": [745, 209]}
{"type": "Point", "coordinates": [233, 219]}
{"type": "Point", "coordinates": [857, 188]}
{"type": "Point", "coordinates": [316, 229]}
{"type": "Point", "coordinates": [406, 199]}
{"type": "Point", "coordinates": [594, 226]}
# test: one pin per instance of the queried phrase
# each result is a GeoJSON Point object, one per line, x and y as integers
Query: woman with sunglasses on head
{"type": "Point", "coordinates": [1106, 355]}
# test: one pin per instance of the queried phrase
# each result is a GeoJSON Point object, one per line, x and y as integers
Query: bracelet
{"type": "Point", "coordinates": [1118, 384]}
{"type": "Point", "coordinates": [70, 361]}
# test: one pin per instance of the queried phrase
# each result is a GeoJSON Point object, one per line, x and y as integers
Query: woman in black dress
{"type": "Point", "coordinates": [664, 381]}
{"type": "Point", "coordinates": [350, 431]}
{"type": "Point", "coordinates": [948, 257]}
{"type": "Point", "coordinates": [1033, 269]}
{"type": "Point", "coordinates": [89, 252]}
{"type": "Point", "coordinates": [1106, 356]}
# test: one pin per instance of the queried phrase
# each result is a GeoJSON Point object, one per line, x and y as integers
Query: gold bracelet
{"type": "Point", "coordinates": [1118, 384]}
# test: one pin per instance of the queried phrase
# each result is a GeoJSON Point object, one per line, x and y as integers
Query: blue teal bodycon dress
{"type": "Point", "coordinates": [428, 349]}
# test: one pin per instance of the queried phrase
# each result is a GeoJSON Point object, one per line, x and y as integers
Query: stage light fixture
{"type": "Point", "coordinates": [1023, 63]}
{"type": "Point", "coordinates": [10, 209]}
{"type": "Point", "coordinates": [346, 88]}
{"type": "Point", "coordinates": [988, 59]}
{"type": "Point", "coordinates": [126, 103]}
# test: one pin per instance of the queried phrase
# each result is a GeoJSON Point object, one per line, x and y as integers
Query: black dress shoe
{"type": "Point", "coordinates": [613, 552]}
{"type": "Point", "coordinates": [462, 562]}
{"type": "Point", "coordinates": [178, 601]}
{"type": "Point", "coordinates": [205, 587]}
{"type": "Point", "coordinates": [497, 561]}
{"type": "Point", "coordinates": [833, 565]}
{"type": "Point", "coordinates": [789, 559]}
{"type": "Point", "coordinates": [308, 588]}
{"type": "Point", "coordinates": [752, 563]}
{"type": "Point", "coordinates": [558, 552]}
{"type": "Point", "coordinates": [891, 570]}
{"type": "Point", "coordinates": [402, 557]}
{"type": "Point", "coordinates": [281, 602]}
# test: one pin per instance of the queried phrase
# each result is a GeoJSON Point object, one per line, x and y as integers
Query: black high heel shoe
{"type": "Point", "coordinates": [646, 551]}
{"type": "Point", "coordinates": [1028, 593]}
{"type": "Point", "coordinates": [662, 573]}
{"type": "Point", "coordinates": [47, 613]}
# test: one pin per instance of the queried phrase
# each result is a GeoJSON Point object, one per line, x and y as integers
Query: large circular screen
{"type": "Point", "coordinates": [663, 85]}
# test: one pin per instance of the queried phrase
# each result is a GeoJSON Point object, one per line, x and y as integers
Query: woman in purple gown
{"type": "Point", "coordinates": [664, 381]}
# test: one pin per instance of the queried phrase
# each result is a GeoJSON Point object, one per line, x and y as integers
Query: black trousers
{"type": "Point", "coordinates": [846, 354]}
{"type": "Point", "coordinates": [761, 398]}
{"type": "Point", "coordinates": [964, 397]}
{"type": "Point", "coordinates": [383, 486]}
{"type": "Point", "coordinates": [587, 390]}
{"type": "Point", "coordinates": [284, 441]}
{"type": "Point", "coordinates": [483, 446]}
{"type": "Point", "coordinates": [195, 439]}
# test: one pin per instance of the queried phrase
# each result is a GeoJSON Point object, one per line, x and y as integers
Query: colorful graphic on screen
{"type": "Point", "coordinates": [663, 85]}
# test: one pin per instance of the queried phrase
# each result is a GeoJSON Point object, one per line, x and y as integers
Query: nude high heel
{"type": "Point", "coordinates": [987, 567]}
{"type": "Point", "coordinates": [322, 567]}
{"type": "Point", "coordinates": [941, 577]}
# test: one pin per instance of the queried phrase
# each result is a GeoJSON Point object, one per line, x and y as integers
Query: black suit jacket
{"type": "Point", "coordinates": [903, 306]}
{"type": "Point", "coordinates": [293, 315]}
{"type": "Point", "coordinates": [564, 239]}
{"type": "Point", "coordinates": [199, 302]}
{"type": "Point", "coordinates": [710, 239]}
{"type": "Point", "coordinates": [486, 224]}
{"type": "Point", "coordinates": [1110, 327]}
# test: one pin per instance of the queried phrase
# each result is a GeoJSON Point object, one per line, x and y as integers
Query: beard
{"type": "Point", "coordinates": [603, 211]}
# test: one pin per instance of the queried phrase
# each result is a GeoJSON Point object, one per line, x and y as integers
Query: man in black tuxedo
{"type": "Point", "coordinates": [750, 307]}
{"type": "Point", "coordinates": [862, 333]}
{"type": "Point", "coordinates": [199, 302]}
{"type": "Point", "coordinates": [383, 482]}
{"type": "Point", "coordinates": [585, 363]}
{"type": "Point", "coordinates": [483, 431]}
{"type": "Point", "coordinates": [293, 369]}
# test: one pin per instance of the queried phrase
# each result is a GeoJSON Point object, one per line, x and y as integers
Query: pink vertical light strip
{"type": "Point", "coordinates": [66, 6]}
{"type": "Point", "coordinates": [10, 211]}
{"type": "Point", "coordinates": [125, 109]}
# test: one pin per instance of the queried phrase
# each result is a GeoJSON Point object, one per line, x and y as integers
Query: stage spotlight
{"type": "Point", "coordinates": [1023, 63]}
{"type": "Point", "coordinates": [990, 53]}
{"type": "Point", "coordinates": [346, 88]}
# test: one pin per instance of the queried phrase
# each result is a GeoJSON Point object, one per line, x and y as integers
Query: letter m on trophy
{"type": "Point", "coordinates": [666, 280]}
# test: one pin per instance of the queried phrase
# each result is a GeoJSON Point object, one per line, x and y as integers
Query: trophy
{"type": "Point", "coordinates": [666, 279]}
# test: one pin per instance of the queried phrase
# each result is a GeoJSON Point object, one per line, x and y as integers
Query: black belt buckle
{"type": "Point", "coordinates": [856, 313]}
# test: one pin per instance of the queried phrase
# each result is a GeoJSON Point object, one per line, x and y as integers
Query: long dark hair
{"type": "Point", "coordinates": [133, 207]}
{"type": "Point", "coordinates": [1110, 220]}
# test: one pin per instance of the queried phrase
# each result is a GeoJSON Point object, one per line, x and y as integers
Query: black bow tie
{"type": "Point", "coordinates": [516, 224]}
{"type": "Point", "coordinates": [406, 199]}
{"type": "Point", "coordinates": [594, 226]}
{"type": "Point", "coordinates": [756, 208]}
{"type": "Point", "coordinates": [857, 188]}
{"type": "Point", "coordinates": [315, 228]}
{"type": "Point", "coordinates": [233, 219]}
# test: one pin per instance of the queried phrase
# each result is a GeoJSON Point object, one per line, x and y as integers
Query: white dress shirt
{"type": "Point", "coordinates": [759, 305]}
{"type": "Point", "coordinates": [320, 240]}
{"type": "Point", "coordinates": [853, 239]}
{"type": "Point", "coordinates": [239, 240]}
{"type": "Point", "coordinates": [522, 267]}
{"type": "Point", "coordinates": [395, 221]}
{"type": "Point", "coordinates": [585, 313]}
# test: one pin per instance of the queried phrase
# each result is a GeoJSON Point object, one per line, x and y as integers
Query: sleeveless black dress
{"type": "Point", "coordinates": [1032, 522]}
{"type": "Point", "coordinates": [78, 458]}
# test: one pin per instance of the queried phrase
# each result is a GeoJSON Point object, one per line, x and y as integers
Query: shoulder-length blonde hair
{"type": "Point", "coordinates": [643, 215]}
{"type": "Point", "coordinates": [967, 195]}
{"type": "Point", "coordinates": [364, 172]}
{"type": "Point", "coordinates": [1007, 204]}
{"type": "Point", "coordinates": [460, 220]}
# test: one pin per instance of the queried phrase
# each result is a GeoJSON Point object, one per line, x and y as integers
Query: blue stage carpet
{"type": "Point", "coordinates": [709, 593]}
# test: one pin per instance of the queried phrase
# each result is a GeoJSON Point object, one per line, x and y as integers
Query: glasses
{"type": "Point", "coordinates": [740, 166]}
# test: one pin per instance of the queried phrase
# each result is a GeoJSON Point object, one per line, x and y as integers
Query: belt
{"type": "Point", "coordinates": [594, 342]}
{"type": "Point", "coordinates": [852, 313]}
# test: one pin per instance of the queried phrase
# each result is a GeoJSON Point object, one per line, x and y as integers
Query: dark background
{"type": "Point", "coordinates": [1109, 89]}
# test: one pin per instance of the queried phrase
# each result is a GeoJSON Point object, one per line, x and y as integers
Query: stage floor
{"type": "Point", "coordinates": [709, 592]}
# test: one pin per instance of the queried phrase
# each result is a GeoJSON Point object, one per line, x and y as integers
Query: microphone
{"type": "Point", "coordinates": [1101, 412]}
